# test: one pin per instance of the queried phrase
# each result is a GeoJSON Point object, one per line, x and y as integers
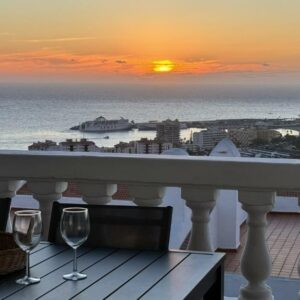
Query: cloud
{"type": "Point", "coordinates": [55, 61]}
{"type": "Point", "coordinates": [121, 61]}
{"type": "Point", "coordinates": [58, 40]}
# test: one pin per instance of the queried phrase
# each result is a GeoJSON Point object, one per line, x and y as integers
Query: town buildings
{"type": "Point", "coordinates": [242, 137]}
{"type": "Point", "coordinates": [82, 145]}
{"type": "Point", "coordinates": [207, 139]}
{"type": "Point", "coordinates": [143, 146]}
{"type": "Point", "coordinates": [168, 131]}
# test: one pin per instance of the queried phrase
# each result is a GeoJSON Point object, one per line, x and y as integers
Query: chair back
{"type": "Point", "coordinates": [4, 212]}
{"type": "Point", "coordinates": [118, 226]}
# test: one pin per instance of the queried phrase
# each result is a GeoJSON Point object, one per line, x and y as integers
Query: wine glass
{"type": "Point", "coordinates": [75, 228]}
{"type": "Point", "coordinates": [27, 230]}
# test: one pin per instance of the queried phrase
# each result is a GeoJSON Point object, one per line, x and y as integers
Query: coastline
{"type": "Point", "coordinates": [278, 123]}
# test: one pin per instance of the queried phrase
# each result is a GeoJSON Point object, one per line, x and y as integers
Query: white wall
{"type": "Point", "coordinates": [286, 204]}
{"type": "Point", "coordinates": [226, 219]}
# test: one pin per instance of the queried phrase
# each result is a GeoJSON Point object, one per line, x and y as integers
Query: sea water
{"type": "Point", "coordinates": [35, 112]}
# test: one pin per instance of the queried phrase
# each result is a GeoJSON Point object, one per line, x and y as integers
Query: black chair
{"type": "Point", "coordinates": [4, 212]}
{"type": "Point", "coordinates": [115, 226]}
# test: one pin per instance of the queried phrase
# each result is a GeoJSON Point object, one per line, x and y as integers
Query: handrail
{"type": "Point", "coordinates": [217, 172]}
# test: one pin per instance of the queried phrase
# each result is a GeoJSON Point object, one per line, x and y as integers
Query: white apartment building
{"type": "Point", "coordinates": [82, 145]}
{"type": "Point", "coordinates": [242, 137]}
{"type": "Point", "coordinates": [143, 146]}
{"type": "Point", "coordinates": [208, 139]}
{"type": "Point", "coordinates": [125, 147]}
{"type": "Point", "coordinates": [152, 146]}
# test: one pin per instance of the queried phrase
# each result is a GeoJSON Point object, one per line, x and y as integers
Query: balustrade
{"type": "Point", "coordinates": [200, 178]}
{"type": "Point", "coordinates": [8, 188]}
{"type": "Point", "coordinates": [46, 193]}
{"type": "Point", "coordinates": [256, 262]}
{"type": "Point", "coordinates": [97, 192]}
{"type": "Point", "coordinates": [146, 195]}
{"type": "Point", "coordinates": [201, 201]}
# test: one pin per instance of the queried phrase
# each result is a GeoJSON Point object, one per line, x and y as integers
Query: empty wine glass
{"type": "Point", "coordinates": [27, 229]}
{"type": "Point", "coordinates": [75, 228]}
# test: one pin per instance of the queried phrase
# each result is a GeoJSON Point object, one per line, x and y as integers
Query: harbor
{"type": "Point", "coordinates": [101, 124]}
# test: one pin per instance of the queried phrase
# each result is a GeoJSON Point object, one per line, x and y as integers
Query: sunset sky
{"type": "Point", "coordinates": [150, 39]}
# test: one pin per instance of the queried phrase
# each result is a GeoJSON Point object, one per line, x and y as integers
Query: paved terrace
{"type": "Point", "coordinates": [283, 239]}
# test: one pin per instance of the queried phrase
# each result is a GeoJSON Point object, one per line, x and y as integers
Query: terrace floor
{"type": "Point", "coordinates": [283, 239]}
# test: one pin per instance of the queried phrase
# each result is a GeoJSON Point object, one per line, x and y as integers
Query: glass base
{"type": "Point", "coordinates": [28, 280]}
{"type": "Point", "coordinates": [74, 276]}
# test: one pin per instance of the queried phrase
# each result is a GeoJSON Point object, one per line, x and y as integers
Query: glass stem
{"type": "Point", "coordinates": [75, 261]}
{"type": "Point", "coordinates": [27, 263]}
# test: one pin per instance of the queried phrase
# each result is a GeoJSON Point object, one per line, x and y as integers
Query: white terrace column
{"type": "Point", "coordinates": [46, 193]}
{"type": "Point", "coordinates": [146, 194]}
{"type": "Point", "coordinates": [97, 192]}
{"type": "Point", "coordinates": [256, 263]}
{"type": "Point", "coordinates": [201, 201]}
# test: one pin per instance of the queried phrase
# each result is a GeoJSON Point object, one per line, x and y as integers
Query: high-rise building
{"type": "Point", "coordinates": [168, 132]}
{"type": "Point", "coordinates": [208, 139]}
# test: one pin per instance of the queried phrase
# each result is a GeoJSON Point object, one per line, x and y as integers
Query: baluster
{"type": "Point", "coordinates": [256, 263]}
{"type": "Point", "coordinates": [46, 193]}
{"type": "Point", "coordinates": [97, 192]}
{"type": "Point", "coordinates": [9, 188]}
{"type": "Point", "coordinates": [201, 201]}
{"type": "Point", "coordinates": [146, 195]}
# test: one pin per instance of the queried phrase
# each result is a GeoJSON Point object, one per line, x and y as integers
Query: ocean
{"type": "Point", "coordinates": [35, 112]}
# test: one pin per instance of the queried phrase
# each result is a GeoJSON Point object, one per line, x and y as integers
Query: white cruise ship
{"type": "Point", "coordinates": [101, 124]}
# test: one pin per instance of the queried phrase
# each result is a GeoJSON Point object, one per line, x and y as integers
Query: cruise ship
{"type": "Point", "coordinates": [101, 124]}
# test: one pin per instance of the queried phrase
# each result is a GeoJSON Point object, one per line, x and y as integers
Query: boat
{"type": "Point", "coordinates": [102, 124]}
{"type": "Point", "coordinates": [106, 137]}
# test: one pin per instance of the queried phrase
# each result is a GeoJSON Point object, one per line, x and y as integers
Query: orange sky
{"type": "Point", "coordinates": [99, 39]}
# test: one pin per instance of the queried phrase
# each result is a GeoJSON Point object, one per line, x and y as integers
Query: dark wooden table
{"type": "Point", "coordinates": [120, 274]}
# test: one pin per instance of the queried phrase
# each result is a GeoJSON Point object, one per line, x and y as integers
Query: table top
{"type": "Point", "coordinates": [112, 274]}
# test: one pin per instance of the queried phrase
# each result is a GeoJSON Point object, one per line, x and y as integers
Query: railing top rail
{"type": "Point", "coordinates": [220, 172]}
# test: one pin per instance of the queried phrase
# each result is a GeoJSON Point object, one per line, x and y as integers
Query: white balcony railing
{"type": "Point", "coordinates": [97, 175]}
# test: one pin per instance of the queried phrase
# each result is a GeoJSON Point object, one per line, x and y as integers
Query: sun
{"type": "Point", "coordinates": [163, 66]}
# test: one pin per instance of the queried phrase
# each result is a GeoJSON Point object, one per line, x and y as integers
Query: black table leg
{"type": "Point", "coordinates": [216, 292]}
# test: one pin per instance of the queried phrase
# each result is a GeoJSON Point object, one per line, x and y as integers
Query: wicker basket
{"type": "Point", "coordinates": [12, 258]}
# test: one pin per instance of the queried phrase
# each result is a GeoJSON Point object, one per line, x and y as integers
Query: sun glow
{"type": "Point", "coordinates": [163, 66]}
